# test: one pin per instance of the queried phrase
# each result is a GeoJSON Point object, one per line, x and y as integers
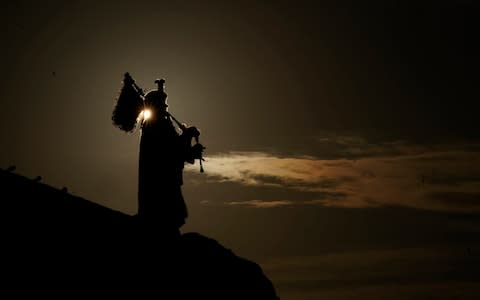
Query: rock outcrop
{"type": "Point", "coordinates": [57, 244]}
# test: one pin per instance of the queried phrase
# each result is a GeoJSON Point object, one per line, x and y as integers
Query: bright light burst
{"type": "Point", "coordinates": [147, 114]}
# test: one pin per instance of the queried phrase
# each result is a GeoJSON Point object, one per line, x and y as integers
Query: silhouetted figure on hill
{"type": "Point", "coordinates": [163, 152]}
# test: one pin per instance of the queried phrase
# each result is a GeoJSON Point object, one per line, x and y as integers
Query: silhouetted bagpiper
{"type": "Point", "coordinates": [163, 152]}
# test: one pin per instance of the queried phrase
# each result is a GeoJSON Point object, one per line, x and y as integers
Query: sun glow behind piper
{"type": "Point", "coordinates": [146, 114]}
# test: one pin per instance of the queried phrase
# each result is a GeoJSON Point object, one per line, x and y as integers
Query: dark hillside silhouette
{"type": "Point", "coordinates": [56, 243]}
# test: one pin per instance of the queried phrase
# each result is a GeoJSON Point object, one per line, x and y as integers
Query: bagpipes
{"type": "Point", "coordinates": [130, 105]}
{"type": "Point", "coordinates": [192, 132]}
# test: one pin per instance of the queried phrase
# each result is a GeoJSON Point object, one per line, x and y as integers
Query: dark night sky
{"type": "Point", "coordinates": [342, 136]}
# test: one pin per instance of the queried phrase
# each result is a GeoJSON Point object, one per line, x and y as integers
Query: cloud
{"type": "Point", "coordinates": [257, 168]}
{"type": "Point", "coordinates": [445, 178]}
{"type": "Point", "coordinates": [262, 203]}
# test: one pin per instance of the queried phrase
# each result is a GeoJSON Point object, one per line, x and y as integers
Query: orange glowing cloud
{"type": "Point", "coordinates": [436, 179]}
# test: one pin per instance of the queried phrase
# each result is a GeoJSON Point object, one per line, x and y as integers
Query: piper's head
{"type": "Point", "coordinates": [160, 84]}
{"type": "Point", "coordinates": [156, 100]}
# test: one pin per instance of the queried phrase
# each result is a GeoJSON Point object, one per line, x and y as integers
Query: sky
{"type": "Point", "coordinates": [342, 136]}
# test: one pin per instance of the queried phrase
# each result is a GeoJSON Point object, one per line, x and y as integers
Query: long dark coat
{"type": "Point", "coordinates": [162, 155]}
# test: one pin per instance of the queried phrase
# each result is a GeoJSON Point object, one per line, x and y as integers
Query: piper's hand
{"type": "Point", "coordinates": [194, 153]}
{"type": "Point", "coordinates": [192, 132]}
{"type": "Point", "coordinates": [197, 151]}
